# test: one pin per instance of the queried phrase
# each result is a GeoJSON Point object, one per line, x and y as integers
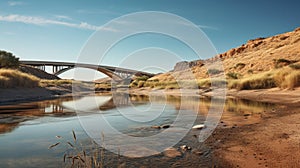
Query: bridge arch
{"type": "Point", "coordinates": [107, 72]}
{"type": "Point", "coordinates": [115, 73]}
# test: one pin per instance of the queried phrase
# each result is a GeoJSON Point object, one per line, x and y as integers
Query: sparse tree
{"type": "Point", "coordinates": [8, 60]}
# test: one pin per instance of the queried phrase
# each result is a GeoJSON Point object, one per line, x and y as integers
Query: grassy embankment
{"type": "Point", "coordinates": [287, 77]}
{"type": "Point", "coordinates": [13, 78]}
{"type": "Point", "coordinates": [10, 78]}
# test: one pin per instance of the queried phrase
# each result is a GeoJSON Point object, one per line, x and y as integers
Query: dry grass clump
{"type": "Point", "coordinates": [295, 66]}
{"type": "Point", "coordinates": [89, 156]}
{"type": "Point", "coordinates": [287, 78]}
{"type": "Point", "coordinates": [10, 78]}
{"type": "Point", "coordinates": [215, 82]}
{"type": "Point", "coordinates": [257, 81]}
{"type": "Point", "coordinates": [185, 84]}
{"type": "Point", "coordinates": [103, 86]}
{"type": "Point", "coordinates": [56, 82]}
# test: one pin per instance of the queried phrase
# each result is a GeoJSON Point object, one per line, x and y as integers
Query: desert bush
{"type": "Point", "coordinates": [56, 82]}
{"type": "Point", "coordinates": [282, 60]}
{"type": "Point", "coordinates": [259, 81]}
{"type": "Point", "coordinates": [293, 80]}
{"type": "Point", "coordinates": [172, 86]}
{"type": "Point", "coordinates": [240, 65]}
{"type": "Point", "coordinates": [295, 66]}
{"type": "Point", "coordinates": [213, 71]}
{"type": "Point", "coordinates": [279, 63]}
{"type": "Point", "coordinates": [133, 85]}
{"type": "Point", "coordinates": [8, 60]}
{"type": "Point", "coordinates": [154, 80]}
{"type": "Point", "coordinates": [206, 83]}
{"type": "Point", "coordinates": [142, 78]}
{"type": "Point", "coordinates": [233, 75]}
{"type": "Point", "coordinates": [141, 84]}
{"type": "Point", "coordinates": [188, 84]}
{"type": "Point", "coordinates": [250, 71]}
{"type": "Point", "coordinates": [138, 81]}
{"type": "Point", "coordinates": [287, 78]}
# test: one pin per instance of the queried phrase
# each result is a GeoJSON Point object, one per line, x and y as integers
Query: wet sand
{"type": "Point", "coordinates": [272, 141]}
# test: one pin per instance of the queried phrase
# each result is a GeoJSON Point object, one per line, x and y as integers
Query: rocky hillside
{"type": "Point", "coordinates": [257, 55]}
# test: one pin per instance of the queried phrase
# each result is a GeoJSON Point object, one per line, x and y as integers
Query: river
{"type": "Point", "coordinates": [28, 129]}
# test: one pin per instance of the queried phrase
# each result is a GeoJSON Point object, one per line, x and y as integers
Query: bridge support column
{"type": "Point", "coordinates": [56, 68]}
{"type": "Point", "coordinates": [41, 67]}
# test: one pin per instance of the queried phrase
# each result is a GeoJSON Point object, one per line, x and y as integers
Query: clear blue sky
{"type": "Point", "coordinates": [57, 30]}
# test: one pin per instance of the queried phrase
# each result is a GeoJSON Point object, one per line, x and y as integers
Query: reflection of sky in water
{"type": "Point", "coordinates": [27, 144]}
{"type": "Point", "coordinates": [116, 119]}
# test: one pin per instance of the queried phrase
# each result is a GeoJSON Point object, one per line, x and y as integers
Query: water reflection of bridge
{"type": "Point", "coordinates": [123, 100]}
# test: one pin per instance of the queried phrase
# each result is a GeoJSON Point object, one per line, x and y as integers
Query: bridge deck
{"type": "Point", "coordinates": [83, 65]}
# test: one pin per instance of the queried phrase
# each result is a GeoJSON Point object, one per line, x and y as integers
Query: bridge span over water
{"type": "Point", "coordinates": [58, 68]}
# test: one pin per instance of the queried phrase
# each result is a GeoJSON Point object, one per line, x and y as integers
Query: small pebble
{"type": "Point", "coordinates": [185, 147]}
{"type": "Point", "coordinates": [156, 127]}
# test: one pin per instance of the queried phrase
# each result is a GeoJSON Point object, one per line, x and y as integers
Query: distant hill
{"type": "Point", "coordinates": [256, 56]}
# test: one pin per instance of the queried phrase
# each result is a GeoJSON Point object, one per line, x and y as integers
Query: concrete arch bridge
{"type": "Point", "coordinates": [116, 73]}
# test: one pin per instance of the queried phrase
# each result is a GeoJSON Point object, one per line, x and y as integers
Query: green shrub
{"type": "Point", "coordinates": [142, 78]}
{"type": "Point", "coordinates": [8, 60]}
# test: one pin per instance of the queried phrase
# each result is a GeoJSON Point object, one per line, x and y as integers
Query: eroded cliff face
{"type": "Point", "coordinates": [180, 66]}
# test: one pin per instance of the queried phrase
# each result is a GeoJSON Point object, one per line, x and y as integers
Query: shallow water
{"type": "Point", "coordinates": [28, 129]}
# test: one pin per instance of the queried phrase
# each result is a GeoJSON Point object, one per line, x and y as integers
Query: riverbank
{"type": "Point", "coordinates": [273, 95]}
{"type": "Point", "coordinates": [19, 95]}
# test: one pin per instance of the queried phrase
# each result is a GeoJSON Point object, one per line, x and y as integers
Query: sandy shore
{"type": "Point", "coordinates": [272, 141]}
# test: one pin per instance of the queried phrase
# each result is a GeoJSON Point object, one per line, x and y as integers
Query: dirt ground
{"type": "Point", "coordinates": [274, 141]}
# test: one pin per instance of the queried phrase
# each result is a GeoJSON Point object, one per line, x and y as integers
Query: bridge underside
{"type": "Point", "coordinates": [114, 75]}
